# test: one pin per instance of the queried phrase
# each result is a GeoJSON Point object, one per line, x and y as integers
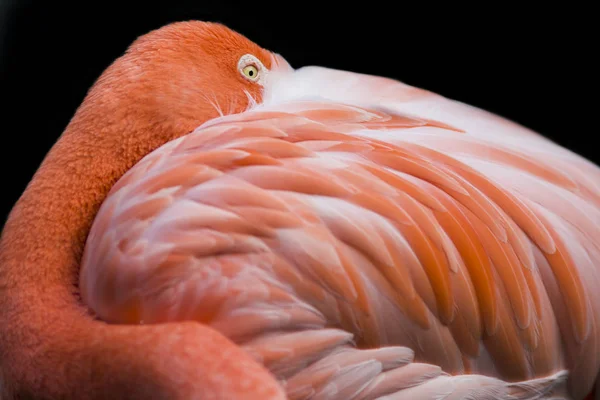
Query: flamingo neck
{"type": "Point", "coordinates": [45, 233]}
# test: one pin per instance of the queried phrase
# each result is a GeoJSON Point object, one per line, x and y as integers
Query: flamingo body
{"type": "Point", "coordinates": [364, 238]}
{"type": "Point", "coordinates": [238, 229]}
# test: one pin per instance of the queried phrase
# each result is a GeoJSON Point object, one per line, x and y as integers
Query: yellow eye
{"type": "Point", "coordinates": [250, 72]}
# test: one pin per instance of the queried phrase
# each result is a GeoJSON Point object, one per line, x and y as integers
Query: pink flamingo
{"type": "Point", "coordinates": [319, 234]}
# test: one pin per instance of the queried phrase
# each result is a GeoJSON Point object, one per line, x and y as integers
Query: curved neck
{"type": "Point", "coordinates": [44, 236]}
{"type": "Point", "coordinates": [55, 212]}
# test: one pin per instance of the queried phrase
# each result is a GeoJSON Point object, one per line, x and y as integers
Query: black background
{"type": "Point", "coordinates": [530, 65]}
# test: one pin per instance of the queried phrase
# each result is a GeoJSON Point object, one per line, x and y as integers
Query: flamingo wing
{"type": "Point", "coordinates": [364, 238]}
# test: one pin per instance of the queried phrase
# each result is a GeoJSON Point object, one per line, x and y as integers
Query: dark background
{"type": "Point", "coordinates": [532, 66]}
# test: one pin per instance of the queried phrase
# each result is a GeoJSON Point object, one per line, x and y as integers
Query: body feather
{"type": "Point", "coordinates": [365, 239]}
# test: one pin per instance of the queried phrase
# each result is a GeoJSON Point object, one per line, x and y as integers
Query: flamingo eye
{"type": "Point", "coordinates": [250, 72]}
{"type": "Point", "coordinates": [252, 69]}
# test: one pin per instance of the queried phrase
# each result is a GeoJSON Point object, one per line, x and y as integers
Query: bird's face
{"type": "Point", "coordinates": [198, 66]}
{"type": "Point", "coordinates": [173, 79]}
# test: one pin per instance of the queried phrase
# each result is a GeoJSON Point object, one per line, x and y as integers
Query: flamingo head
{"type": "Point", "coordinates": [169, 82]}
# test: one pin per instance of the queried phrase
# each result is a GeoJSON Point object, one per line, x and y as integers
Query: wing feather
{"type": "Point", "coordinates": [451, 241]}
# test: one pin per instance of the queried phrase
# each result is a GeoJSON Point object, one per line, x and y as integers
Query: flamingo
{"type": "Point", "coordinates": [215, 224]}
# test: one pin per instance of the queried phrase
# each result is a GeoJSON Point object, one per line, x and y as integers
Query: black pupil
{"type": "Point", "coordinates": [251, 72]}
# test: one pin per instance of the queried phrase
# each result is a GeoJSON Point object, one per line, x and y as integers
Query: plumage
{"type": "Point", "coordinates": [363, 239]}
{"type": "Point", "coordinates": [461, 278]}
